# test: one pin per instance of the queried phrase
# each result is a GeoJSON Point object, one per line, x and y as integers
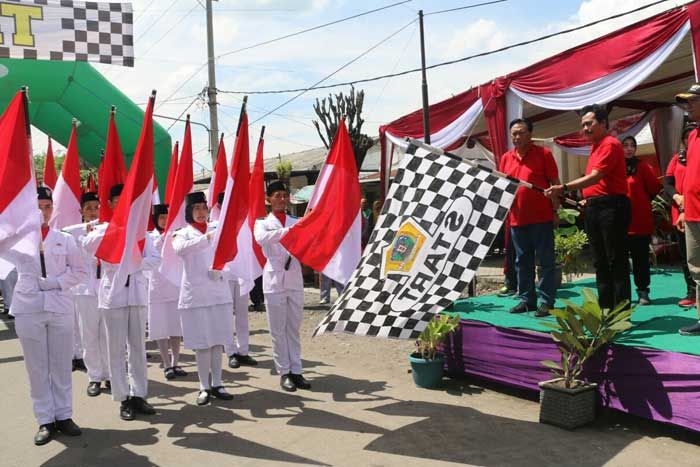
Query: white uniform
{"type": "Point", "coordinates": [205, 298]}
{"type": "Point", "coordinates": [163, 315]}
{"type": "Point", "coordinates": [92, 324]}
{"type": "Point", "coordinates": [125, 318]}
{"type": "Point", "coordinates": [284, 293]}
{"type": "Point", "coordinates": [240, 320]}
{"type": "Point", "coordinates": [43, 311]}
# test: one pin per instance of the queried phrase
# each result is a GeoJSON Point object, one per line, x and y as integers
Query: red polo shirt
{"type": "Point", "coordinates": [607, 156]}
{"type": "Point", "coordinates": [676, 170]}
{"type": "Point", "coordinates": [691, 183]}
{"type": "Point", "coordinates": [537, 167]}
{"type": "Point", "coordinates": [642, 187]}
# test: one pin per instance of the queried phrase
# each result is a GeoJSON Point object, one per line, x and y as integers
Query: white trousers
{"type": "Point", "coordinates": [284, 315]}
{"type": "Point", "coordinates": [125, 332]}
{"type": "Point", "coordinates": [94, 337]}
{"type": "Point", "coordinates": [47, 345]}
{"type": "Point", "coordinates": [240, 321]}
{"type": "Point", "coordinates": [77, 339]}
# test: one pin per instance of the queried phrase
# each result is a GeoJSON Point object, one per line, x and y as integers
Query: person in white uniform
{"type": "Point", "coordinates": [163, 317]}
{"type": "Point", "coordinates": [205, 299]}
{"type": "Point", "coordinates": [123, 313]}
{"type": "Point", "coordinates": [43, 309]}
{"type": "Point", "coordinates": [283, 286]}
{"type": "Point", "coordinates": [238, 352]}
{"type": "Point", "coordinates": [92, 323]}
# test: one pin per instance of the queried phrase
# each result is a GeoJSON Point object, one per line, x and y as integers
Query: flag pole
{"type": "Point", "coordinates": [240, 117]}
{"type": "Point", "coordinates": [424, 82]}
{"type": "Point", "coordinates": [262, 133]}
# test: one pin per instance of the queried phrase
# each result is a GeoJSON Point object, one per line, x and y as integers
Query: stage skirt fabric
{"type": "Point", "coordinates": [163, 320]}
{"type": "Point", "coordinates": [207, 326]}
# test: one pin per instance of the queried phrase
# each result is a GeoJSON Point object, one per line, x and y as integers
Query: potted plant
{"type": "Point", "coordinates": [427, 362]}
{"type": "Point", "coordinates": [579, 332]}
{"type": "Point", "coordinates": [569, 242]}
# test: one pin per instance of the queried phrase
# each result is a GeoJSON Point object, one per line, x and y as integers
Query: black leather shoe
{"type": "Point", "coordinates": [287, 384]}
{"type": "Point", "coordinates": [220, 393]}
{"type": "Point", "coordinates": [169, 373]}
{"type": "Point", "coordinates": [693, 330]}
{"type": "Point", "coordinates": [299, 381]}
{"type": "Point", "coordinates": [542, 310]}
{"type": "Point", "coordinates": [94, 389]}
{"type": "Point", "coordinates": [141, 406]}
{"type": "Point", "coordinates": [79, 365]}
{"type": "Point", "coordinates": [246, 360]}
{"type": "Point", "coordinates": [108, 385]}
{"type": "Point", "coordinates": [68, 427]}
{"type": "Point", "coordinates": [44, 434]}
{"type": "Point", "coordinates": [521, 308]}
{"type": "Point", "coordinates": [179, 371]}
{"type": "Point", "coordinates": [203, 397]}
{"type": "Point", "coordinates": [233, 361]}
{"type": "Point", "coordinates": [126, 410]}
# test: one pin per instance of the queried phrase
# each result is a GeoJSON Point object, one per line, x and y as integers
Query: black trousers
{"type": "Point", "coordinates": [641, 269]}
{"type": "Point", "coordinates": [511, 273]}
{"type": "Point", "coordinates": [689, 282]}
{"type": "Point", "coordinates": [607, 220]}
{"type": "Point", "coordinates": [256, 294]}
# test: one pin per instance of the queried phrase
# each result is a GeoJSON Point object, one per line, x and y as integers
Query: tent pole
{"type": "Point", "coordinates": [424, 82]}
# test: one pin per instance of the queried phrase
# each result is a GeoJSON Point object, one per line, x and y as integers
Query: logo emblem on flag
{"type": "Point", "coordinates": [402, 253]}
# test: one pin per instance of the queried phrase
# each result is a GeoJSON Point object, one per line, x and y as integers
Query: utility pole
{"type": "Point", "coordinates": [424, 83]}
{"type": "Point", "coordinates": [211, 89]}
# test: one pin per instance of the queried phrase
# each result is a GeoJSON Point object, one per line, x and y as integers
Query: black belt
{"type": "Point", "coordinates": [605, 199]}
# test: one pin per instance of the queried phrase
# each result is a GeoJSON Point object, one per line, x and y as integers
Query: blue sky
{"type": "Point", "coordinates": [170, 45]}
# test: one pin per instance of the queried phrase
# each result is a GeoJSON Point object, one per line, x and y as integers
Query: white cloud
{"type": "Point", "coordinates": [483, 34]}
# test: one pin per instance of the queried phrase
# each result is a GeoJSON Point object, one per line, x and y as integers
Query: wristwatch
{"type": "Point", "coordinates": [565, 188]}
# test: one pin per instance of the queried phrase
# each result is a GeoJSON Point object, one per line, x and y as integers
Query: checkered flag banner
{"type": "Point", "coordinates": [437, 224]}
{"type": "Point", "coordinates": [67, 30]}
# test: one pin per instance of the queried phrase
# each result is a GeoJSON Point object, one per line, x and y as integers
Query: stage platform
{"type": "Point", "coordinates": [651, 371]}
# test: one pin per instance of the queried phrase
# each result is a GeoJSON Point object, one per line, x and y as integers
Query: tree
{"type": "Point", "coordinates": [330, 110]}
{"type": "Point", "coordinates": [40, 162]}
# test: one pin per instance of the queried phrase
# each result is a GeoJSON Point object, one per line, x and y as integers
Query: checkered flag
{"type": "Point", "coordinates": [71, 30]}
{"type": "Point", "coordinates": [436, 226]}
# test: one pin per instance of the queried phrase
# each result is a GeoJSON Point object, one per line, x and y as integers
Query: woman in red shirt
{"type": "Point", "coordinates": [642, 187]}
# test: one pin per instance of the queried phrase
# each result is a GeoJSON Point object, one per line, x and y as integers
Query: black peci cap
{"type": "Point", "coordinates": [44, 192]}
{"type": "Point", "coordinates": [276, 185]}
{"type": "Point", "coordinates": [159, 209]}
{"type": "Point", "coordinates": [88, 196]}
{"type": "Point", "coordinates": [116, 190]}
{"type": "Point", "coordinates": [195, 197]}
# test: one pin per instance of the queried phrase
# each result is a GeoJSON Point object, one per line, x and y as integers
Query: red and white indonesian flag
{"type": "Point", "coordinates": [328, 237]}
{"type": "Point", "coordinates": [171, 265]}
{"type": "Point", "coordinates": [50, 178]}
{"type": "Point", "coordinates": [172, 171]}
{"type": "Point", "coordinates": [20, 220]}
{"type": "Point", "coordinates": [125, 235]}
{"type": "Point", "coordinates": [218, 181]}
{"type": "Point", "coordinates": [66, 196]}
{"type": "Point", "coordinates": [155, 197]}
{"type": "Point", "coordinates": [257, 205]}
{"type": "Point", "coordinates": [112, 169]}
{"type": "Point", "coordinates": [233, 241]}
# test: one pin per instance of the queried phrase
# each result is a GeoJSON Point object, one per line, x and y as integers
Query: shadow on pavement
{"type": "Point", "coordinates": [344, 389]}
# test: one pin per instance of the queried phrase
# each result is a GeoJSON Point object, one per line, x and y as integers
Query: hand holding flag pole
{"type": "Point", "coordinates": [523, 183]}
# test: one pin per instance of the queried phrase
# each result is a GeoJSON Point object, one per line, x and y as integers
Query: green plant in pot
{"type": "Point", "coordinates": [579, 332]}
{"type": "Point", "coordinates": [569, 243]}
{"type": "Point", "coordinates": [427, 363]}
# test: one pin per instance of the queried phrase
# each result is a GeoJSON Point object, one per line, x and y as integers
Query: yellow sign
{"type": "Point", "coordinates": [403, 251]}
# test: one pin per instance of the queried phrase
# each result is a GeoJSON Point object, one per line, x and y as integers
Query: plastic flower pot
{"type": "Point", "coordinates": [427, 373]}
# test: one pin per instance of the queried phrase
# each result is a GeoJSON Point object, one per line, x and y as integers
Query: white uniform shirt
{"type": "Point", "coordinates": [89, 287]}
{"type": "Point", "coordinates": [160, 289]}
{"type": "Point", "coordinates": [268, 232]}
{"type": "Point", "coordinates": [200, 286]}
{"type": "Point", "coordinates": [136, 294]}
{"type": "Point", "coordinates": [63, 265]}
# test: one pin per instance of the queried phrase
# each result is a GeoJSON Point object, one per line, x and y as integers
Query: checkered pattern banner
{"type": "Point", "coordinates": [67, 30]}
{"type": "Point", "coordinates": [437, 224]}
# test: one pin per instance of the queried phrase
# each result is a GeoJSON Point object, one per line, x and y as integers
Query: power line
{"type": "Point", "coordinates": [450, 62]}
{"type": "Point", "coordinates": [338, 70]}
{"type": "Point", "coordinates": [303, 31]}
{"type": "Point", "coordinates": [466, 7]}
{"type": "Point", "coordinates": [149, 28]}
{"type": "Point", "coordinates": [175, 24]}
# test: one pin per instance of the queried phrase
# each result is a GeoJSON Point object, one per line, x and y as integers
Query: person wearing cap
{"type": "Point", "coordinates": [92, 323]}
{"type": "Point", "coordinates": [689, 200]}
{"type": "Point", "coordinates": [283, 286]}
{"type": "Point", "coordinates": [123, 308]}
{"type": "Point", "coordinates": [675, 175]}
{"type": "Point", "coordinates": [607, 207]}
{"type": "Point", "coordinates": [238, 352]}
{"type": "Point", "coordinates": [163, 318]}
{"type": "Point", "coordinates": [43, 309]}
{"type": "Point", "coordinates": [205, 299]}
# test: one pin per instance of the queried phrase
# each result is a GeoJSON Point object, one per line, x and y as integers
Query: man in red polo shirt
{"type": "Point", "coordinates": [531, 218]}
{"type": "Point", "coordinates": [689, 203]}
{"type": "Point", "coordinates": [604, 187]}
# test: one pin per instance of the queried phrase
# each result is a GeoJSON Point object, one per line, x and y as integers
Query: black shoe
{"type": "Point", "coordinates": [68, 427]}
{"type": "Point", "coordinates": [693, 330]}
{"type": "Point", "coordinates": [79, 365]}
{"type": "Point", "coordinates": [287, 383]}
{"type": "Point", "coordinates": [179, 371]}
{"type": "Point", "coordinates": [94, 389]}
{"type": "Point", "coordinates": [203, 397]}
{"type": "Point", "coordinates": [233, 361]}
{"type": "Point", "coordinates": [643, 298]}
{"type": "Point", "coordinates": [141, 406]}
{"type": "Point", "coordinates": [299, 381]}
{"type": "Point", "coordinates": [108, 385]}
{"type": "Point", "coordinates": [126, 410]}
{"type": "Point", "coordinates": [220, 393]}
{"type": "Point", "coordinates": [542, 310]}
{"type": "Point", "coordinates": [169, 373]}
{"type": "Point", "coordinates": [522, 307]}
{"type": "Point", "coordinates": [44, 434]}
{"type": "Point", "coordinates": [246, 360]}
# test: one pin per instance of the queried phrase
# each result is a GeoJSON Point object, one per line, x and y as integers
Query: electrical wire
{"type": "Point", "coordinates": [450, 62]}
{"type": "Point", "coordinates": [160, 17]}
{"type": "Point", "coordinates": [175, 24]}
{"type": "Point", "coordinates": [466, 7]}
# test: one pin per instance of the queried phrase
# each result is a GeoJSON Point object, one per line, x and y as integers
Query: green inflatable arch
{"type": "Point", "coordinates": [59, 91]}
